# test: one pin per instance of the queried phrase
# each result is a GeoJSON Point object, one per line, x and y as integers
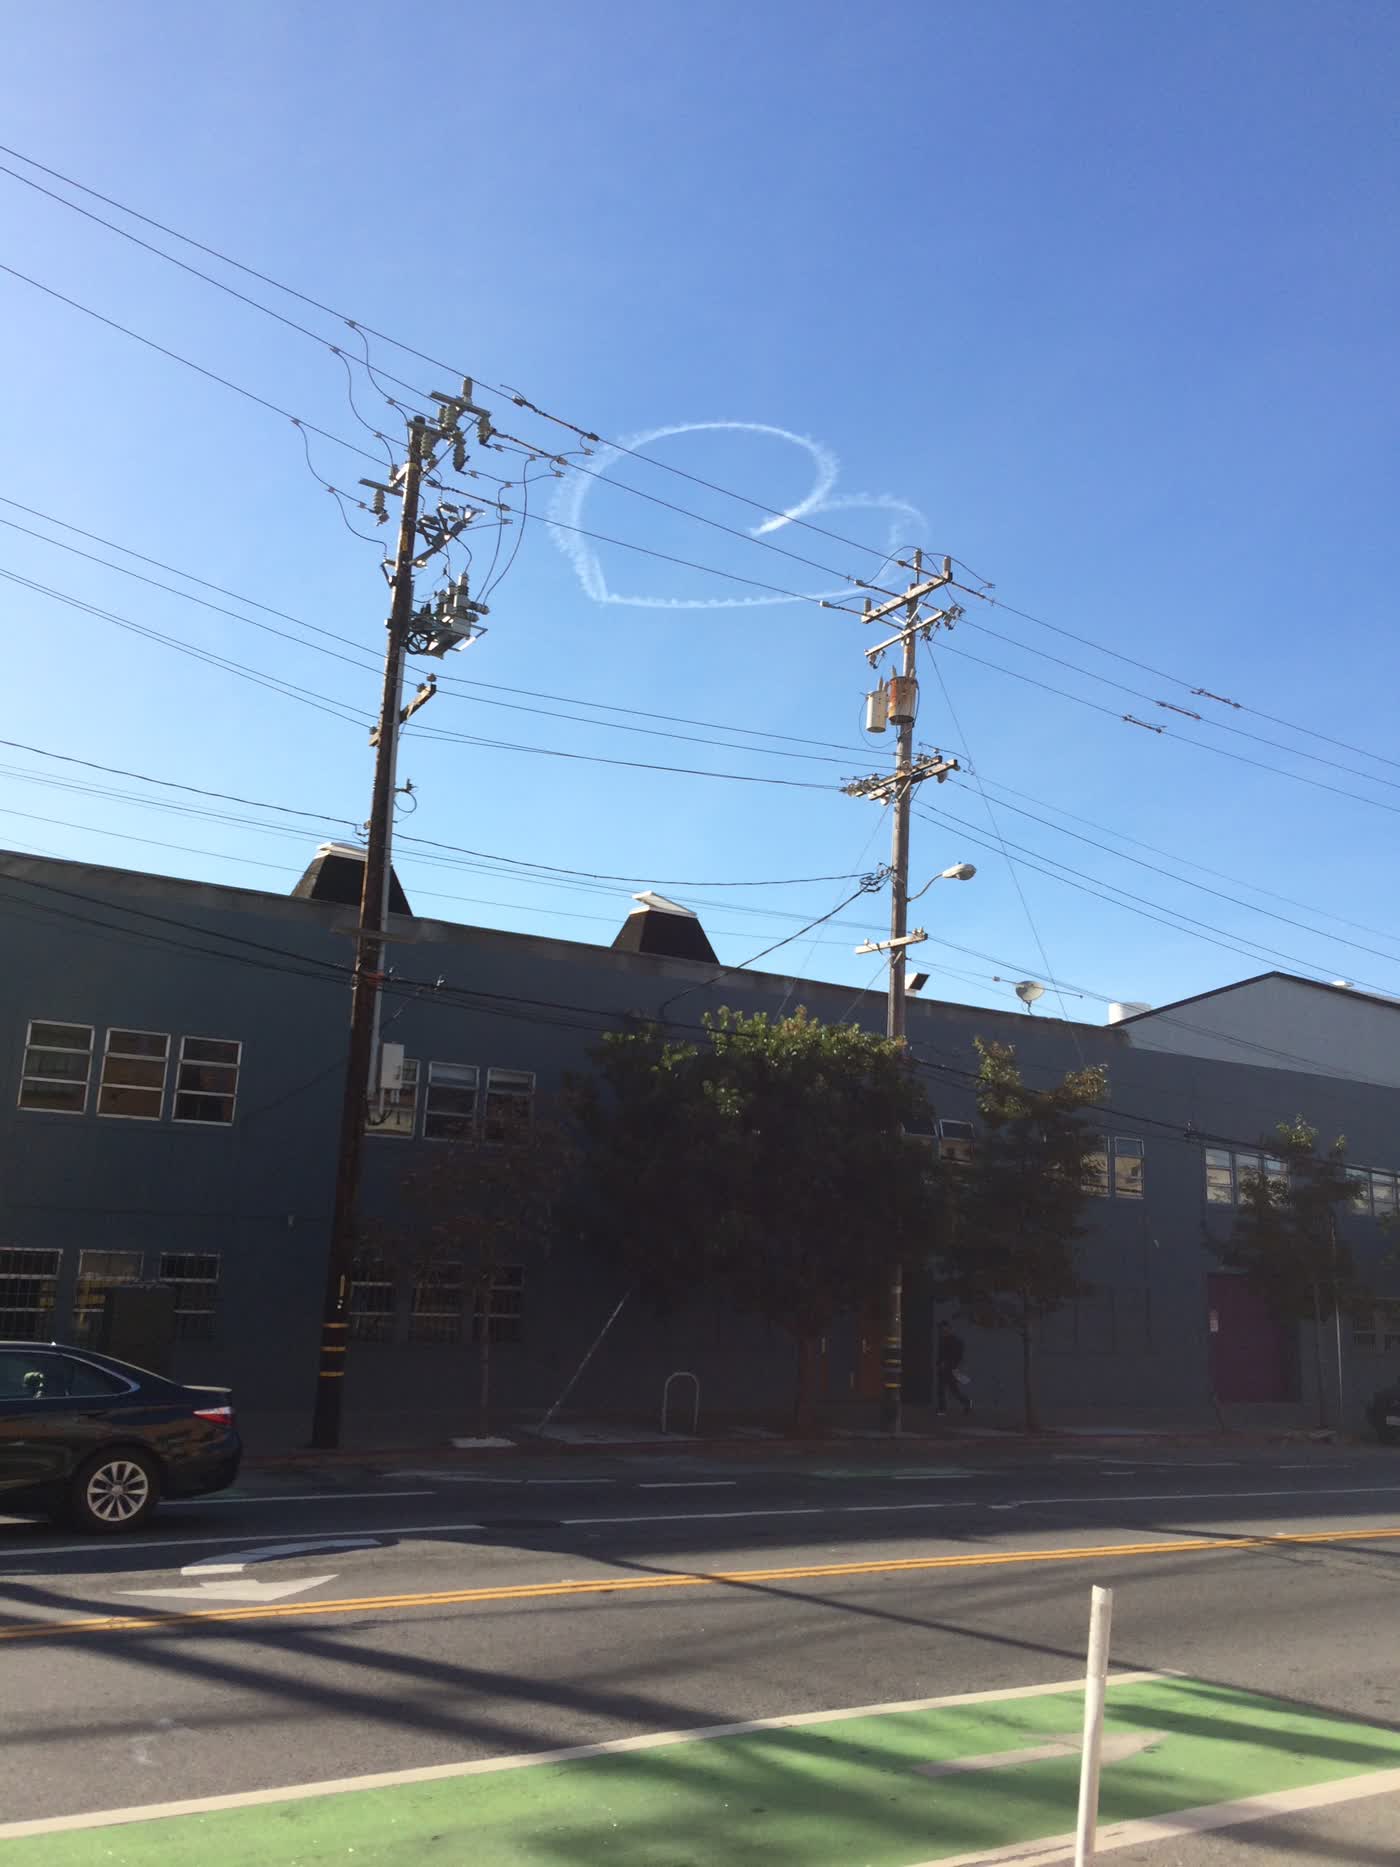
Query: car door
{"type": "Point", "coordinates": [33, 1397]}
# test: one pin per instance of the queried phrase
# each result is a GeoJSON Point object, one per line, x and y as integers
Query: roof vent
{"type": "Point", "coordinates": [337, 873]}
{"type": "Point", "coordinates": [665, 929]}
{"type": "Point", "coordinates": [1121, 1010]}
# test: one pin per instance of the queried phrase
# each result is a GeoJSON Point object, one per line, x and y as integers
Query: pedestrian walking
{"type": "Point", "coordinates": [951, 1379]}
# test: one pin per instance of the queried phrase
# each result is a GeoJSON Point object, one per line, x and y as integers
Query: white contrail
{"type": "Point", "coordinates": [572, 496]}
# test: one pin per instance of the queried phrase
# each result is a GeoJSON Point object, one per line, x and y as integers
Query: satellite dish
{"type": "Point", "coordinates": [1028, 991]}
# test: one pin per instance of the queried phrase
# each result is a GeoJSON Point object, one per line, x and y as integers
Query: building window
{"type": "Point", "coordinates": [1383, 1195]}
{"type": "Point", "coordinates": [1227, 1173]}
{"type": "Point", "coordinates": [449, 1113]}
{"type": "Point", "coordinates": [194, 1276]}
{"type": "Point", "coordinates": [1377, 1331]}
{"type": "Point", "coordinates": [133, 1075]}
{"type": "Point", "coordinates": [99, 1272]}
{"type": "Point", "coordinates": [437, 1303]}
{"type": "Point", "coordinates": [501, 1308]}
{"type": "Point", "coordinates": [1127, 1167]}
{"type": "Point", "coordinates": [371, 1307]}
{"type": "Point", "coordinates": [206, 1087]}
{"type": "Point", "coordinates": [1114, 1165]}
{"type": "Point", "coordinates": [57, 1065]}
{"type": "Point", "coordinates": [510, 1096]}
{"type": "Point", "coordinates": [398, 1112]}
{"type": "Point", "coordinates": [28, 1293]}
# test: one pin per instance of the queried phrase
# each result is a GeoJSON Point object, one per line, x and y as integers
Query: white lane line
{"type": "Point", "coordinates": [972, 1504]}
{"type": "Point", "coordinates": [687, 1484]}
{"type": "Point", "coordinates": [1182, 1822]}
{"type": "Point", "coordinates": [923, 1504]}
{"type": "Point", "coordinates": [570, 1481]}
{"type": "Point", "coordinates": [488, 1766]}
{"type": "Point", "coordinates": [28, 1552]}
{"type": "Point", "coordinates": [234, 1537]}
{"type": "Point", "coordinates": [1196, 1497]}
{"type": "Point", "coordinates": [711, 1516]}
{"type": "Point", "coordinates": [278, 1552]}
{"type": "Point", "coordinates": [294, 1497]}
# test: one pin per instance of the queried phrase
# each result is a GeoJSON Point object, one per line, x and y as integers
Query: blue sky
{"type": "Point", "coordinates": [1099, 299]}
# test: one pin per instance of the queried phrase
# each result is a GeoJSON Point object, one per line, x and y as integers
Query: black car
{"type": "Point", "coordinates": [98, 1443]}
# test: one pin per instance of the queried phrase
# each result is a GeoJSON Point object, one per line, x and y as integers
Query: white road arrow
{"type": "Point", "coordinates": [242, 1587]}
{"type": "Point", "coordinates": [247, 1588]}
{"type": "Point", "coordinates": [274, 1552]}
{"type": "Point", "coordinates": [1118, 1746]}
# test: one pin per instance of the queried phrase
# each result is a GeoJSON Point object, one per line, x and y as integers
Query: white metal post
{"type": "Point", "coordinates": [1095, 1684]}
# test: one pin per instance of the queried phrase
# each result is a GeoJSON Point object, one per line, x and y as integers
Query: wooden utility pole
{"type": "Point", "coordinates": [450, 623]}
{"type": "Point", "coordinates": [369, 956]}
{"type": "Point", "coordinates": [902, 702]}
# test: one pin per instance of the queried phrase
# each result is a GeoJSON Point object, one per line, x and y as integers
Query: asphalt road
{"type": "Point", "coordinates": [309, 1628]}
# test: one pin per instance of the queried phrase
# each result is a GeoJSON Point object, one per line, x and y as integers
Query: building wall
{"type": "Point", "coordinates": [110, 948]}
{"type": "Point", "coordinates": [1284, 1022]}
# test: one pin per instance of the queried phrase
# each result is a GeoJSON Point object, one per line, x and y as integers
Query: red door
{"type": "Point", "coordinates": [1249, 1347]}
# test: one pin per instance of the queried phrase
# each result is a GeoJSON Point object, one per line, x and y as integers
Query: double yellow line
{"type": "Point", "coordinates": [640, 1584]}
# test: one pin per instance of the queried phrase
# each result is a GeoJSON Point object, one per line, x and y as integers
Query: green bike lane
{"type": "Point", "coordinates": [978, 1778]}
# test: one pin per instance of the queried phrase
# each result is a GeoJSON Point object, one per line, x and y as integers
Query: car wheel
{"type": "Point", "coordinates": [113, 1491]}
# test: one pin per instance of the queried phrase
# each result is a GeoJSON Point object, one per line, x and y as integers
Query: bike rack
{"type": "Point", "coordinates": [681, 1374]}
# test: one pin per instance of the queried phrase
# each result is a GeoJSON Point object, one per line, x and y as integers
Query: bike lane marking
{"type": "Point", "coordinates": [823, 1789]}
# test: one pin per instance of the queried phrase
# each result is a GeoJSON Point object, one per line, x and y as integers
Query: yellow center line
{"type": "Point", "coordinates": [634, 1584]}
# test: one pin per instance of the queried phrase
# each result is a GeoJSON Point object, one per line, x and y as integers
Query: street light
{"type": "Point", "coordinates": [960, 872]}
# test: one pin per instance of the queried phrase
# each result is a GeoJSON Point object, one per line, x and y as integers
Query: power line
{"type": "Point", "coordinates": [996, 831]}
{"type": "Point", "coordinates": [537, 1011]}
{"type": "Point", "coordinates": [456, 849]}
{"type": "Point", "coordinates": [1138, 904]}
{"type": "Point", "coordinates": [366, 330]}
{"type": "Point", "coordinates": [586, 434]}
{"type": "Point", "coordinates": [1220, 874]}
{"type": "Point", "coordinates": [1166, 732]}
{"type": "Point", "coordinates": [443, 680]}
{"type": "Point", "coordinates": [1190, 882]}
{"type": "Point", "coordinates": [1176, 680]}
{"type": "Point", "coordinates": [322, 703]}
{"type": "Point", "coordinates": [1136, 693]}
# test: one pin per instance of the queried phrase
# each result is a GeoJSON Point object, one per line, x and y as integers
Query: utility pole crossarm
{"type": "Point", "coordinates": [914, 595]}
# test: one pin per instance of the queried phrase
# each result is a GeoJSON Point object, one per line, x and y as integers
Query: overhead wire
{"type": "Point", "coordinates": [364, 331]}
{"type": "Point", "coordinates": [266, 957]}
{"type": "Point", "coordinates": [932, 656]}
{"type": "Point", "coordinates": [516, 398]}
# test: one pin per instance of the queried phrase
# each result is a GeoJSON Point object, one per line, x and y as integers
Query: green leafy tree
{"type": "Point", "coordinates": [1010, 1259]}
{"type": "Point", "coordinates": [1287, 1239]}
{"type": "Point", "coordinates": [468, 1210]}
{"type": "Point", "coordinates": [766, 1162]}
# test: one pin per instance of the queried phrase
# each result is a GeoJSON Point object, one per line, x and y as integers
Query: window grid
{"type": "Point", "coordinates": [28, 1292]}
{"type": "Point", "coordinates": [132, 1084]}
{"type": "Point", "coordinates": [99, 1272]}
{"type": "Point", "coordinates": [450, 1104]}
{"type": "Point", "coordinates": [372, 1300]}
{"type": "Point", "coordinates": [501, 1308]}
{"type": "Point", "coordinates": [1227, 1171]}
{"type": "Point", "coordinates": [1114, 1167]}
{"type": "Point", "coordinates": [510, 1096]}
{"type": "Point", "coordinates": [194, 1275]}
{"type": "Point", "coordinates": [206, 1084]}
{"type": "Point", "coordinates": [57, 1067]}
{"type": "Point", "coordinates": [399, 1114]}
{"type": "Point", "coordinates": [1377, 1331]}
{"type": "Point", "coordinates": [437, 1303]}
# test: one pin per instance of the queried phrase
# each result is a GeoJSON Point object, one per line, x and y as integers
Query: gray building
{"type": "Point", "coordinates": [171, 1059]}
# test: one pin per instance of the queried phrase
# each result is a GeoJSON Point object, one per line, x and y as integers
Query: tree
{"type": "Point", "coordinates": [766, 1163]}
{"type": "Point", "coordinates": [1285, 1235]}
{"type": "Point", "coordinates": [1010, 1260]}
{"type": "Point", "coordinates": [469, 1210]}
